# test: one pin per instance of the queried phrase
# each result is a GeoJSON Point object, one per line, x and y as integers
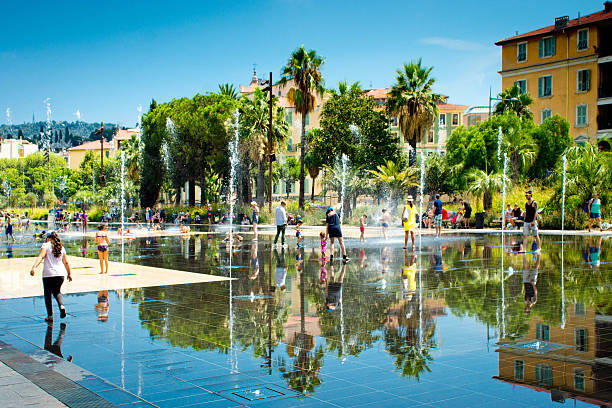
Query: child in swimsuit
{"type": "Point", "coordinates": [323, 245]}
{"type": "Point", "coordinates": [298, 234]}
{"type": "Point", "coordinates": [362, 224]}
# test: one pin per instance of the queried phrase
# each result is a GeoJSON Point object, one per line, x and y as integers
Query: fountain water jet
{"type": "Point", "coordinates": [233, 148]}
{"type": "Point", "coordinates": [343, 186]}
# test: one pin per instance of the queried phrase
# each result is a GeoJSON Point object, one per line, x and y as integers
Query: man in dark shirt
{"type": "Point", "coordinates": [517, 213]}
{"type": "Point", "coordinates": [530, 226]}
{"type": "Point", "coordinates": [438, 215]}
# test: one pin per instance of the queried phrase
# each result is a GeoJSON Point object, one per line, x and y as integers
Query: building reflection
{"type": "Point", "coordinates": [574, 362]}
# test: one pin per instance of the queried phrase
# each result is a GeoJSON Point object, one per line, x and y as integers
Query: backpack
{"type": "Point", "coordinates": [587, 207]}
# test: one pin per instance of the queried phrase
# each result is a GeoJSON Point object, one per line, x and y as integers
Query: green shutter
{"type": "Point", "coordinates": [306, 185]}
{"type": "Point", "coordinates": [307, 119]}
{"type": "Point", "coordinates": [554, 41]}
{"type": "Point", "coordinates": [541, 48]}
{"type": "Point", "coordinates": [540, 85]}
{"type": "Point", "coordinates": [587, 79]}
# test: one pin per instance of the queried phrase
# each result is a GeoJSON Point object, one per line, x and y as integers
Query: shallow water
{"type": "Point", "coordinates": [442, 327]}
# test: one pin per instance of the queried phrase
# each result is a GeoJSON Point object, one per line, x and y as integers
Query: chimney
{"type": "Point", "coordinates": [607, 7]}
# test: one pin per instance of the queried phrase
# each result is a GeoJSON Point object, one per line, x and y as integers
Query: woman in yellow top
{"type": "Point", "coordinates": [409, 221]}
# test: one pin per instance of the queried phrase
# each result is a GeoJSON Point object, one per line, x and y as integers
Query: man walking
{"type": "Point", "coordinates": [281, 222]}
{"type": "Point", "coordinates": [530, 225]}
{"type": "Point", "coordinates": [467, 212]}
{"type": "Point", "coordinates": [438, 215]}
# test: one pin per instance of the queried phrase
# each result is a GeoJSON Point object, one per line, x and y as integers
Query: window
{"type": "Point", "coordinates": [579, 379]}
{"type": "Point", "coordinates": [290, 145]}
{"type": "Point", "coordinates": [543, 374]}
{"type": "Point", "coordinates": [289, 118]}
{"type": "Point", "coordinates": [521, 52]}
{"type": "Point", "coordinates": [307, 119]}
{"type": "Point", "coordinates": [546, 47]}
{"type": "Point", "coordinates": [583, 80]}
{"type": "Point", "coordinates": [289, 187]}
{"type": "Point", "coordinates": [518, 370]}
{"type": "Point", "coordinates": [521, 85]}
{"type": "Point", "coordinates": [580, 339]}
{"type": "Point", "coordinates": [279, 92]}
{"type": "Point", "coordinates": [545, 86]}
{"type": "Point", "coordinates": [430, 136]}
{"type": "Point", "coordinates": [542, 332]}
{"type": "Point", "coordinates": [275, 189]}
{"type": "Point", "coordinates": [579, 309]}
{"type": "Point", "coordinates": [306, 188]}
{"type": "Point", "coordinates": [583, 39]}
{"type": "Point", "coordinates": [455, 119]}
{"type": "Point", "coordinates": [546, 113]}
{"type": "Point", "coordinates": [394, 121]}
{"type": "Point", "coordinates": [106, 154]}
{"type": "Point", "coordinates": [442, 119]}
{"type": "Point", "coordinates": [581, 115]}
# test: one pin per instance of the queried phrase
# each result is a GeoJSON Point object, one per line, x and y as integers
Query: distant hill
{"type": "Point", "coordinates": [64, 134]}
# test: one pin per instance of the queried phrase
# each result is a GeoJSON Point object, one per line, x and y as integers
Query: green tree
{"type": "Point", "coordinates": [303, 70]}
{"type": "Point", "coordinates": [412, 99]}
{"type": "Point", "coordinates": [352, 124]}
{"type": "Point", "coordinates": [520, 148]}
{"type": "Point", "coordinates": [228, 90]}
{"type": "Point", "coordinates": [313, 165]}
{"type": "Point", "coordinates": [438, 175]}
{"type": "Point", "coordinates": [552, 138]}
{"type": "Point", "coordinates": [514, 102]}
{"type": "Point", "coordinates": [395, 178]}
{"type": "Point", "coordinates": [290, 172]}
{"type": "Point", "coordinates": [154, 132]}
{"type": "Point", "coordinates": [484, 185]}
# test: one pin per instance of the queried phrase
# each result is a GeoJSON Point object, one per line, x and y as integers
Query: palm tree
{"type": "Point", "coordinates": [132, 157]}
{"type": "Point", "coordinates": [228, 90]}
{"type": "Point", "coordinates": [412, 99]}
{"type": "Point", "coordinates": [396, 179]}
{"type": "Point", "coordinates": [513, 101]}
{"type": "Point", "coordinates": [483, 184]}
{"type": "Point", "coordinates": [254, 126]}
{"type": "Point", "coordinates": [521, 150]}
{"type": "Point", "coordinates": [588, 170]}
{"type": "Point", "coordinates": [303, 70]}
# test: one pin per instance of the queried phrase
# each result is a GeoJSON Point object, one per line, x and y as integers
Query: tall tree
{"type": "Point", "coordinates": [303, 70]}
{"type": "Point", "coordinates": [228, 90]}
{"type": "Point", "coordinates": [412, 99]}
{"type": "Point", "coordinates": [254, 140]}
{"type": "Point", "coordinates": [515, 102]}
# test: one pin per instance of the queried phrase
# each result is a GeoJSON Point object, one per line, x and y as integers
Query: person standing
{"type": "Point", "coordinates": [334, 231]}
{"type": "Point", "coordinates": [385, 220]}
{"type": "Point", "coordinates": [438, 215]}
{"type": "Point", "coordinates": [409, 221]}
{"type": "Point", "coordinates": [362, 225]}
{"type": "Point", "coordinates": [530, 225]}
{"type": "Point", "coordinates": [55, 269]}
{"type": "Point", "coordinates": [103, 244]}
{"type": "Point", "coordinates": [595, 211]}
{"type": "Point", "coordinates": [281, 222]}
{"type": "Point", "coordinates": [467, 213]}
{"type": "Point", "coordinates": [8, 230]}
{"type": "Point", "coordinates": [255, 219]}
{"type": "Point", "coordinates": [84, 219]}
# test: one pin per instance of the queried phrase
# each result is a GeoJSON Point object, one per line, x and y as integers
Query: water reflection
{"type": "Point", "coordinates": [549, 314]}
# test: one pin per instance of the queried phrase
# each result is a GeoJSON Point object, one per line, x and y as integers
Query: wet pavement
{"type": "Point", "coordinates": [455, 324]}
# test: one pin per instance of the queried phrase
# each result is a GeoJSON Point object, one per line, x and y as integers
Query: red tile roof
{"type": "Point", "coordinates": [377, 93]}
{"type": "Point", "coordinates": [124, 134]}
{"type": "Point", "coordinates": [94, 145]}
{"type": "Point", "coordinates": [575, 23]}
{"type": "Point", "coordinates": [450, 106]}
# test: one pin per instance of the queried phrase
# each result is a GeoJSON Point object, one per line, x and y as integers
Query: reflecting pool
{"type": "Point", "coordinates": [463, 322]}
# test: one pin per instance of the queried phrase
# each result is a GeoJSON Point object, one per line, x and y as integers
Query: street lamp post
{"type": "Point", "coordinates": [271, 157]}
{"type": "Point", "coordinates": [498, 99]}
{"type": "Point", "coordinates": [101, 131]}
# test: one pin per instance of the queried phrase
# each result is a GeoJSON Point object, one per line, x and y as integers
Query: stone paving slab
{"type": "Point", "coordinates": [18, 391]}
{"type": "Point", "coordinates": [15, 279]}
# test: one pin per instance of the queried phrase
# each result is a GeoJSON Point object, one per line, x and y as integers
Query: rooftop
{"type": "Point", "coordinates": [575, 23]}
{"type": "Point", "coordinates": [94, 145]}
{"type": "Point", "coordinates": [474, 110]}
{"type": "Point", "coordinates": [125, 134]}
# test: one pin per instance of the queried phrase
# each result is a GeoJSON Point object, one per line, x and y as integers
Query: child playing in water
{"type": "Point", "coordinates": [362, 224]}
{"type": "Point", "coordinates": [386, 218]}
{"type": "Point", "coordinates": [323, 245]}
{"type": "Point", "coordinates": [298, 234]}
{"type": "Point", "coordinates": [9, 230]}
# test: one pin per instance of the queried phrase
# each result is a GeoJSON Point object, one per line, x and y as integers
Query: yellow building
{"type": "Point", "coordinates": [574, 360]}
{"type": "Point", "coordinates": [567, 69]}
{"type": "Point", "coordinates": [76, 154]}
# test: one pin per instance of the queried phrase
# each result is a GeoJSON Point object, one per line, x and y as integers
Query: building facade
{"type": "Point", "coordinates": [16, 148]}
{"type": "Point", "coordinates": [77, 154]}
{"type": "Point", "coordinates": [567, 69]}
{"type": "Point", "coordinates": [474, 115]}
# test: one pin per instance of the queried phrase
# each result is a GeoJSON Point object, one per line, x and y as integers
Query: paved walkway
{"type": "Point", "coordinates": [18, 391]}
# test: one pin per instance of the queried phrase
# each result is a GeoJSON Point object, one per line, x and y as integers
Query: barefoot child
{"type": "Point", "coordinates": [323, 245]}
{"type": "Point", "coordinates": [298, 234]}
{"type": "Point", "coordinates": [362, 225]}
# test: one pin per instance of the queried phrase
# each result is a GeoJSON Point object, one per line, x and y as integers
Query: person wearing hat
{"type": "Point", "coordinates": [409, 221]}
{"type": "Point", "coordinates": [255, 219]}
{"type": "Point", "coordinates": [333, 231]}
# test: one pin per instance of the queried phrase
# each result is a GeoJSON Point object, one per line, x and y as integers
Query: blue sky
{"type": "Point", "coordinates": [105, 58]}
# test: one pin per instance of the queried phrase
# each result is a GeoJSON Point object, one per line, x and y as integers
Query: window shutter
{"type": "Point", "coordinates": [587, 79]}
{"type": "Point", "coordinates": [541, 48]}
{"type": "Point", "coordinates": [540, 87]}
{"type": "Point", "coordinates": [553, 43]}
